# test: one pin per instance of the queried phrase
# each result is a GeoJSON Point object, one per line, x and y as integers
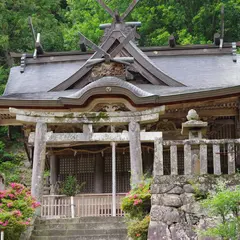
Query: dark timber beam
{"type": "Point", "coordinates": [129, 9]}
{"type": "Point", "coordinates": [38, 47]}
{"type": "Point", "coordinates": [109, 10]}
{"type": "Point", "coordinates": [115, 15]}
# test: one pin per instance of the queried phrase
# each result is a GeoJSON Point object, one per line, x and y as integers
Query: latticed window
{"type": "Point", "coordinates": [82, 166]}
{"type": "Point", "coordinates": [122, 172]}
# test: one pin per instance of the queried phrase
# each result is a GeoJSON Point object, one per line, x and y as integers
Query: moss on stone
{"type": "Point", "coordinates": [68, 115]}
{"type": "Point", "coordinates": [205, 183]}
{"type": "Point", "coordinates": [94, 117]}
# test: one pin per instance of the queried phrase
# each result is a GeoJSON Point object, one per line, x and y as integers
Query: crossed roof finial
{"type": "Point", "coordinates": [130, 34]}
{"type": "Point", "coordinates": [115, 14]}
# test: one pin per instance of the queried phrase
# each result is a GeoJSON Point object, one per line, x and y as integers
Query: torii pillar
{"type": "Point", "coordinates": [135, 152]}
{"type": "Point", "coordinates": [39, 159]}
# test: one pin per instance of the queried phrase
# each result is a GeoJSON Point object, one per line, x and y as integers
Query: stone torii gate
{"type": "Point", "coordinates": [42, 139]}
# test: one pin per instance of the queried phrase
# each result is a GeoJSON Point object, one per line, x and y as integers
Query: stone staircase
{"type": "Point", "coordinates": [88, 228]}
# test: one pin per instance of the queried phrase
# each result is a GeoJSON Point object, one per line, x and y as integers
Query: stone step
{"type": "Point", "coordinates": [88, 228]}
{"type": "Point", "coordinates": [90, 237]}
{"type": "Point", "coordinates": [75, 226]}
{"type": "Point", "coordinates": [80, 220]}
{"type": "Point", "coordinates": [81, 232]}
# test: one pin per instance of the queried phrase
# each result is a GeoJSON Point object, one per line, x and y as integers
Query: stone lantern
{"type": "Point", "coordinates": [195, 129]}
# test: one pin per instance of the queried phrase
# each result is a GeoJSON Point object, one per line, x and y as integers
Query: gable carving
{"type": "Point", "coordinates": [108, 69]}
{"type": "Point", "coordinates": [111, 107]}
{"type": "Point", "coordinates": [163, 125]}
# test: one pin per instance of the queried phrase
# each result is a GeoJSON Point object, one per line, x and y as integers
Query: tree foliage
{"type": "Point", "coordinates": [59, 22]}
{"type": "Point", "coordinates": [3, 78]}
{"type": "Point", "coordinates": [191, 21]}
{"type": "Point", "coordinates": [70, 186]}
{"type": "Point", "coordinates": [224, 205]}
{"type": "Point", "coordinates": [15, 33]}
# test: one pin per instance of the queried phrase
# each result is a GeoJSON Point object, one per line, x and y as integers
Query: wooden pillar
{"type": "Point", "coordinates": [53, 173]}
{"type": "Point", "coordinates": [114, 205]}
{"type": "Point", "coordinates": [99, 174]}
{"type": "Point", "coordinates": [135, 152]}
{"type": "Point", "coordinates": [237, 131]}
{"type": "Point", "coordinates": [39, 158]}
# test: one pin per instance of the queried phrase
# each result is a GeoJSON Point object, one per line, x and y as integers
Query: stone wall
{"type": "Point", "coordinates": [175, 212]}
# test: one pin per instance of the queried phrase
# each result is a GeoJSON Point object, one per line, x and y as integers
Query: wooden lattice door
{"type": "Point", "coordinates": [122, 172]}
{"type": "Point", "coordinates": [82, 166]}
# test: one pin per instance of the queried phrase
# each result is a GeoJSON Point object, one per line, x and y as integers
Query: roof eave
{"type": "Point", "coordinates": [151, 100]}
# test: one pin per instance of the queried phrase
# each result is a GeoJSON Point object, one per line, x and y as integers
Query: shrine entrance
{"type": "Point", "coordinates": [94, 169]}
{"type": "Point", "coordinates": [109, 177]}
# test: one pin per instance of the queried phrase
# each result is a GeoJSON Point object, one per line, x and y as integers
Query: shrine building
{"type": "Point", "coordinates": [108, 113]}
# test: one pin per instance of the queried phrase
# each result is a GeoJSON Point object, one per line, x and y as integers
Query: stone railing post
{"type": "Point", "coordinates": [158, 157]}
{"type": "Point", "coordinates": [173, 159]}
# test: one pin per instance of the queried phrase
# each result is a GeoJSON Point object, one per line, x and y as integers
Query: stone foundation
{"type": "Point", "coordinates": [175, 212]}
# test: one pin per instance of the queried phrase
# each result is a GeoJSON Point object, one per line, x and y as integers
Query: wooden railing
{"type": "Point", "coordinates": [85, 205]}
{"type": "Point", "coordinates": [55, 206]}
{"type": "Point", "coordinates": [196, 152]}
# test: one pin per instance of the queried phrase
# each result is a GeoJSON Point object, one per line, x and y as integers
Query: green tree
{"type": "Point", "coordinates": [191, 21]}
{"type": "Point", "coordinates": [59, 21]}
{"type": "Point", "coordinates": [3, 78]}
{"type": "Point", "coordinates": [15, 33]}
{"type": "Point", "coordinates": [225, 205]}
{"type": "Point", "coordinates": [70, 186]}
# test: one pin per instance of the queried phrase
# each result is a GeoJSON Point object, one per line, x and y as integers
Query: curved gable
{"type": "Point", "coordinates": [108, 86]}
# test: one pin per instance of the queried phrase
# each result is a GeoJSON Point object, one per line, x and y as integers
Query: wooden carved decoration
{"type": "Point", "coordinates": [164, 126]}
{"type": "Point", "coordinates": [118, 129]}
{"type": "Point", "coordinates": [111, 107]}
{"type": "Point", "coordinates": [66, 128]}
{"type": "Point", "coordinates": [221, 128]}
{"type": "Point", "coordinates": [108, 69]}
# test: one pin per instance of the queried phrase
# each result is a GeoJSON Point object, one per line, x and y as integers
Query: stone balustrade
{"type": "Point", "coordinates": [196, 157]}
